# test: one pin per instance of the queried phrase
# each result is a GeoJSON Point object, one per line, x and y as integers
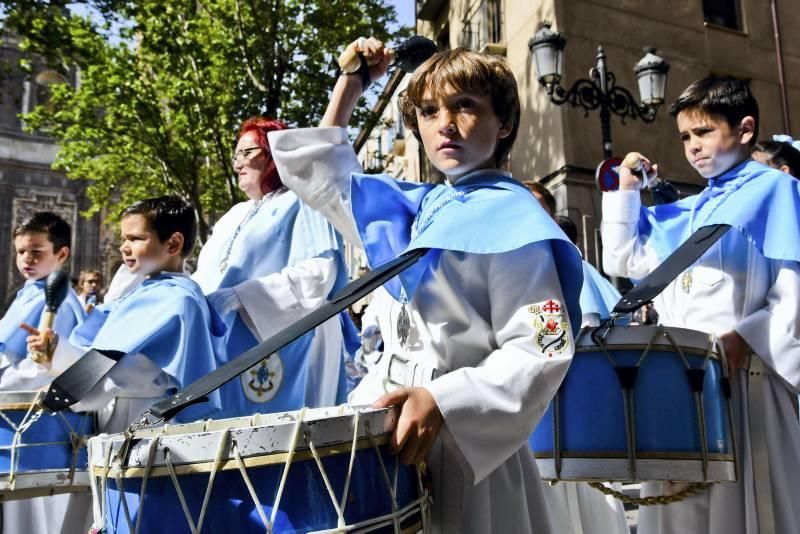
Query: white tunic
{"type": "Point", "coordinates": [469, 316]}
{"type": "Point", "coordinates": [273, 301]}
{"type": "Point", "coordinates": [733, 288]}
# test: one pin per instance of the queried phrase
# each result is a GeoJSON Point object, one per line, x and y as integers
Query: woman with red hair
{"type": "Point", "coordinates": [269, 262]}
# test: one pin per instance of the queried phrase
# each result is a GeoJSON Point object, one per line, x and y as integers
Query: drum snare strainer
{"type": "Point", "coordinates": [315, 470]}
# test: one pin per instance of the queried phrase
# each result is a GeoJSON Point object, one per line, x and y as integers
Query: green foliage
{"type": "Point", "coordinates": [163, 86]}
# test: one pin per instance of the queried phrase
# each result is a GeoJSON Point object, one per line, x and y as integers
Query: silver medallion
{"type": "Point", "coordinates": [403, 324]}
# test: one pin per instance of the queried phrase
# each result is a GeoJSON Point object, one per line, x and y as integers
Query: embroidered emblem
{"type": "Point", "coordinates": [686, 281]}
{"type": "Point", "coordinates": [262, 381]}
{"type": "Point", "coordinates": [551, 331]}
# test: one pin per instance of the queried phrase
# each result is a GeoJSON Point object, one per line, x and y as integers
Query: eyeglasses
{"type": "Point", "coordinates": [244, 154]}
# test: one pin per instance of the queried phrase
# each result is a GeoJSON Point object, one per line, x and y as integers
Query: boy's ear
{"type": "Point", "coordinates": [747, 130]}
{"type": "Point", "coordinates": [175, 244]}
{"type": "Point", "coordinates": [62, 255]}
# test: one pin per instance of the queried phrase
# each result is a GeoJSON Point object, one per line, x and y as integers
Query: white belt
{"type": "Point", "coordinates": [404, 372]}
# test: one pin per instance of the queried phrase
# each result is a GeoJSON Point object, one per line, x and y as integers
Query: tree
{"type": "Point", "coordinates": [164, 85]}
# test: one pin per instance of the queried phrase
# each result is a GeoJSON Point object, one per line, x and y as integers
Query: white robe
{"type": "Point", "coordinates": [278, 299]}
{"type": "Point", "coordinates": [733, 288]}
{"type": "Point", "coordinates": [469, 316]}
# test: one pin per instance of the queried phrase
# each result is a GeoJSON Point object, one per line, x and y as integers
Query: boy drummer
{"type": "Point", "coordinates": [477, 334]}
{"type": "Point", "coordinates": [745, 289]}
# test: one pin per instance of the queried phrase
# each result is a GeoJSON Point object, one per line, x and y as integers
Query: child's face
{"type": "Point", "coordinates": [36, 255]}
{"type": "Point", "coordinates": [711, 145]}
{"type": "Point", "coordinates": [459, 131]}
{"type": "Point", "coordinates": [90, 284]}
{"type": "Point", "coordinates": [142, 250]}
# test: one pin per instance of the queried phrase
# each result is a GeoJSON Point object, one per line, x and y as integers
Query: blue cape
{"type": "Point", "coordinates": [760, 202]}
{"type": "Point", "coordinates": [481, 214]}
{"type": "Point", "coordinates": [166, 318]}
{"type": "Point", "coordinates": [264, 247]}
{"type": "Point", "coordinates": [27, 308]}
{"type": "Point", "coordinates": [598, 294]}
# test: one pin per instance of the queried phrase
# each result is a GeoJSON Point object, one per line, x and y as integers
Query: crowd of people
{"type": "Point", "coordinates": [468, 316]}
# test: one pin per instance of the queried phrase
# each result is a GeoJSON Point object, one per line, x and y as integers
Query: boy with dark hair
{"type": "Point", "coordinates": [744, 289]}
{"type": "Point", "coordinates": [467, 358]}
{"type": "Point", "coordinates": [41, 246]}
{"type": "Point", "coordinates": [164, 326]}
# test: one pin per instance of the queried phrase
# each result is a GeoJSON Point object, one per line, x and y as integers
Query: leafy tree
{"type": "Point", "coordinates": [163, 86]}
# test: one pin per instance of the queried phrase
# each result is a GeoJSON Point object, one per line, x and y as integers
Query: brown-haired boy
{"type": "Point", "coordinates": [477, 334]}
{"type": "Point", "coordinates": [745, 289]}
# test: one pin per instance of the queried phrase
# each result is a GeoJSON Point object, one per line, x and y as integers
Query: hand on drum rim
{"type": "Point", "coordinates": [418, 424]}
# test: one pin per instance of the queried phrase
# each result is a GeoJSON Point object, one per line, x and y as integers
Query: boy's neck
{"type": "Point", "coordinates": [744, 158]}
{"type": "Point", "coordinates": [173, 265]}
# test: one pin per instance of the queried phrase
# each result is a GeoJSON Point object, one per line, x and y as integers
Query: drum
{"type": "Point", "coordinates": [41, 453]}
{"type": "Point", "coordinates": [645, 403]}
{"type": "Point", "coordinates": [315, 470]}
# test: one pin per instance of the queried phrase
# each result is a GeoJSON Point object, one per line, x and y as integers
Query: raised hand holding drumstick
{"type": "Point", "coordinates": [636, 171]}
{"type": "Point", "coordinates": [41, 347]}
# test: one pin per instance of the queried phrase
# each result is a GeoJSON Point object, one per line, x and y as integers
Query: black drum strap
{"type": "Point", "coordinates": [197, 391]}
{"type": "Point", "coordinates": [677, 262]}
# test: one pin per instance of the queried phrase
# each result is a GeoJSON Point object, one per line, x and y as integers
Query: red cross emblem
{"type": "Point", "coordinates": [551, 307]}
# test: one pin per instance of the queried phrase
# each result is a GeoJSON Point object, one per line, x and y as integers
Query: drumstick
{"type": "Point", "coordinates": [55, 291]}
{"type": "Point", "coordinates": [408, 56]}
{"type": "Point", "coordinates": [635, 162]}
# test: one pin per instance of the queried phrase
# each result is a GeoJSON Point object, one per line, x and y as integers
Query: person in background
{"type": "Point", "coordinates": [88, 288]}
{"type": "Point", "coordinates": [782, 153]}
{"type": "Point", "coordinates": [543, 195]}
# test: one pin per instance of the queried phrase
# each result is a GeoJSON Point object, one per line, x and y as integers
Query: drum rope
{"type": "Point", "coordinates": [151, 456]}
{"type": "Point", "coordinates": [356, 420]}
{"type": "Point", "coordinates": [178, 489]}
{"type": "Point", "coordinates": [392, 494]}
{"type": "Point", "coordinates": [290, 456]}
{"type": "Point", "coordinates": [123, 499]}
{"type": "Point", "coordinates": [223, 441]}
{"type": "Point", "coordinates": [250, 488]}
{"type": "Point", "coordinates": [693, 488]}
{"type": "Point", "coordinates": [28, 419]}
{"type": "Point", "coordinates": [341, 523]}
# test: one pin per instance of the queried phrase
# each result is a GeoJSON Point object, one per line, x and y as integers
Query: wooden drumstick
{"type": "Point", "coordinates": [55, 291]}
{"type": "Point", "coordinates": [408, 56]}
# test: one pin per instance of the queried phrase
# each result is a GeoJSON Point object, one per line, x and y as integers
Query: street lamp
{"type": "Point", "coordinates": [600, 90]}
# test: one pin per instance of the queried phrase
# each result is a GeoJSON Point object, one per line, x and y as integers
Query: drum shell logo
{"type": "Point", "coordinates": [262, 381]}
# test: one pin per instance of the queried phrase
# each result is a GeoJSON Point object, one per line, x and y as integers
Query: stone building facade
{"type": "Point", "coordinates": [561, 145]}
{"type": "Point", "coordinates": [27, 181]}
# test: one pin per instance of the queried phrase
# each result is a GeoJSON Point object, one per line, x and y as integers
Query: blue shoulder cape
{"type": "Point", "coordinates": [486, 213]}
{"type": "Point", "coordinates": [760, 202]}
{"type": "Point", "coordinates": [166, 318]}
{"type": "Point", "coordinates": [598, 294]}
{"type": "Point", "coordinates": [27, 308]}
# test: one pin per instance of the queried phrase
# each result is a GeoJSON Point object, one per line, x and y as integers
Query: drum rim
{"type": "Point", "coordinates": [379, 421]}
{"type": "Point", "coordinates": [699, 343]}
{"type": "Point", "coordinates": [640, 455]}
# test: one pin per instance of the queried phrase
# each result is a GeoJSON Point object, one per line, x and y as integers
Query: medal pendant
{"type": "Point", "coordinates": [403, 325]}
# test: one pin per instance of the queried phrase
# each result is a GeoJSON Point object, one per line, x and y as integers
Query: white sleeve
{"type": "Point", "coordinates": [625, 253]}
{"type": "Point", "coordinates": [491, 410]}
{"type": "Point", "coordinates": [273, 302]}
{"type": "Point", "coordinates": [773, 332]}
{"type": "Point", "coordinates": [316, 163]}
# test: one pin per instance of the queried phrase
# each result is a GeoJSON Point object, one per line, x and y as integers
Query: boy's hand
{"type": "Point", "coordinates": [40, 343]}
{"type": "Point", "coordinates": [418, 425]}
{"type": "Point", "coordinates": [737, 351]}
{"type": "Point", "coordinates": [378, 58]}
{"type": "Point", "coordinates": [629, 179]}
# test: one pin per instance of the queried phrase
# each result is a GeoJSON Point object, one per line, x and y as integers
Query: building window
{"type": "Point", "coordinates": [495, 16]}
{"type": "Point", "coordinates": [725, 13]}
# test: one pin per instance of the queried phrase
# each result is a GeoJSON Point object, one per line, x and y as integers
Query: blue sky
{"type": "Point", "coordinates": [405, 11]}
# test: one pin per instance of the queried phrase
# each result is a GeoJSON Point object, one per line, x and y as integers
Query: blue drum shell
{"type": "Point", "coordinates": [46, 444]}
{"type": "Point", "coordinates": [305, 505]}
{"type": "Point", "coordinates": [592, 414]}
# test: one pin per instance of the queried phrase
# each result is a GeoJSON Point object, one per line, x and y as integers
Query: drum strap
{"type": "Point", "coordinates": [358, 289]}
{"type": "Point", "coordinates": [677, 262]}
{"type": "Point", "coordinates": [756, 404]}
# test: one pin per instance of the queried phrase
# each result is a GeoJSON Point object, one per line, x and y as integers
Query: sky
{"type": "Point", "coordinates": [405, 11]}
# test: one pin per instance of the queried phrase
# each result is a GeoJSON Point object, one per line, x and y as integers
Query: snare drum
{"type": "Point", "coordinates": [313, 470]}
{"type": "Point", "coordinates": [647, 403]}
{"type": "Point", "coordinates": [41, 453]}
